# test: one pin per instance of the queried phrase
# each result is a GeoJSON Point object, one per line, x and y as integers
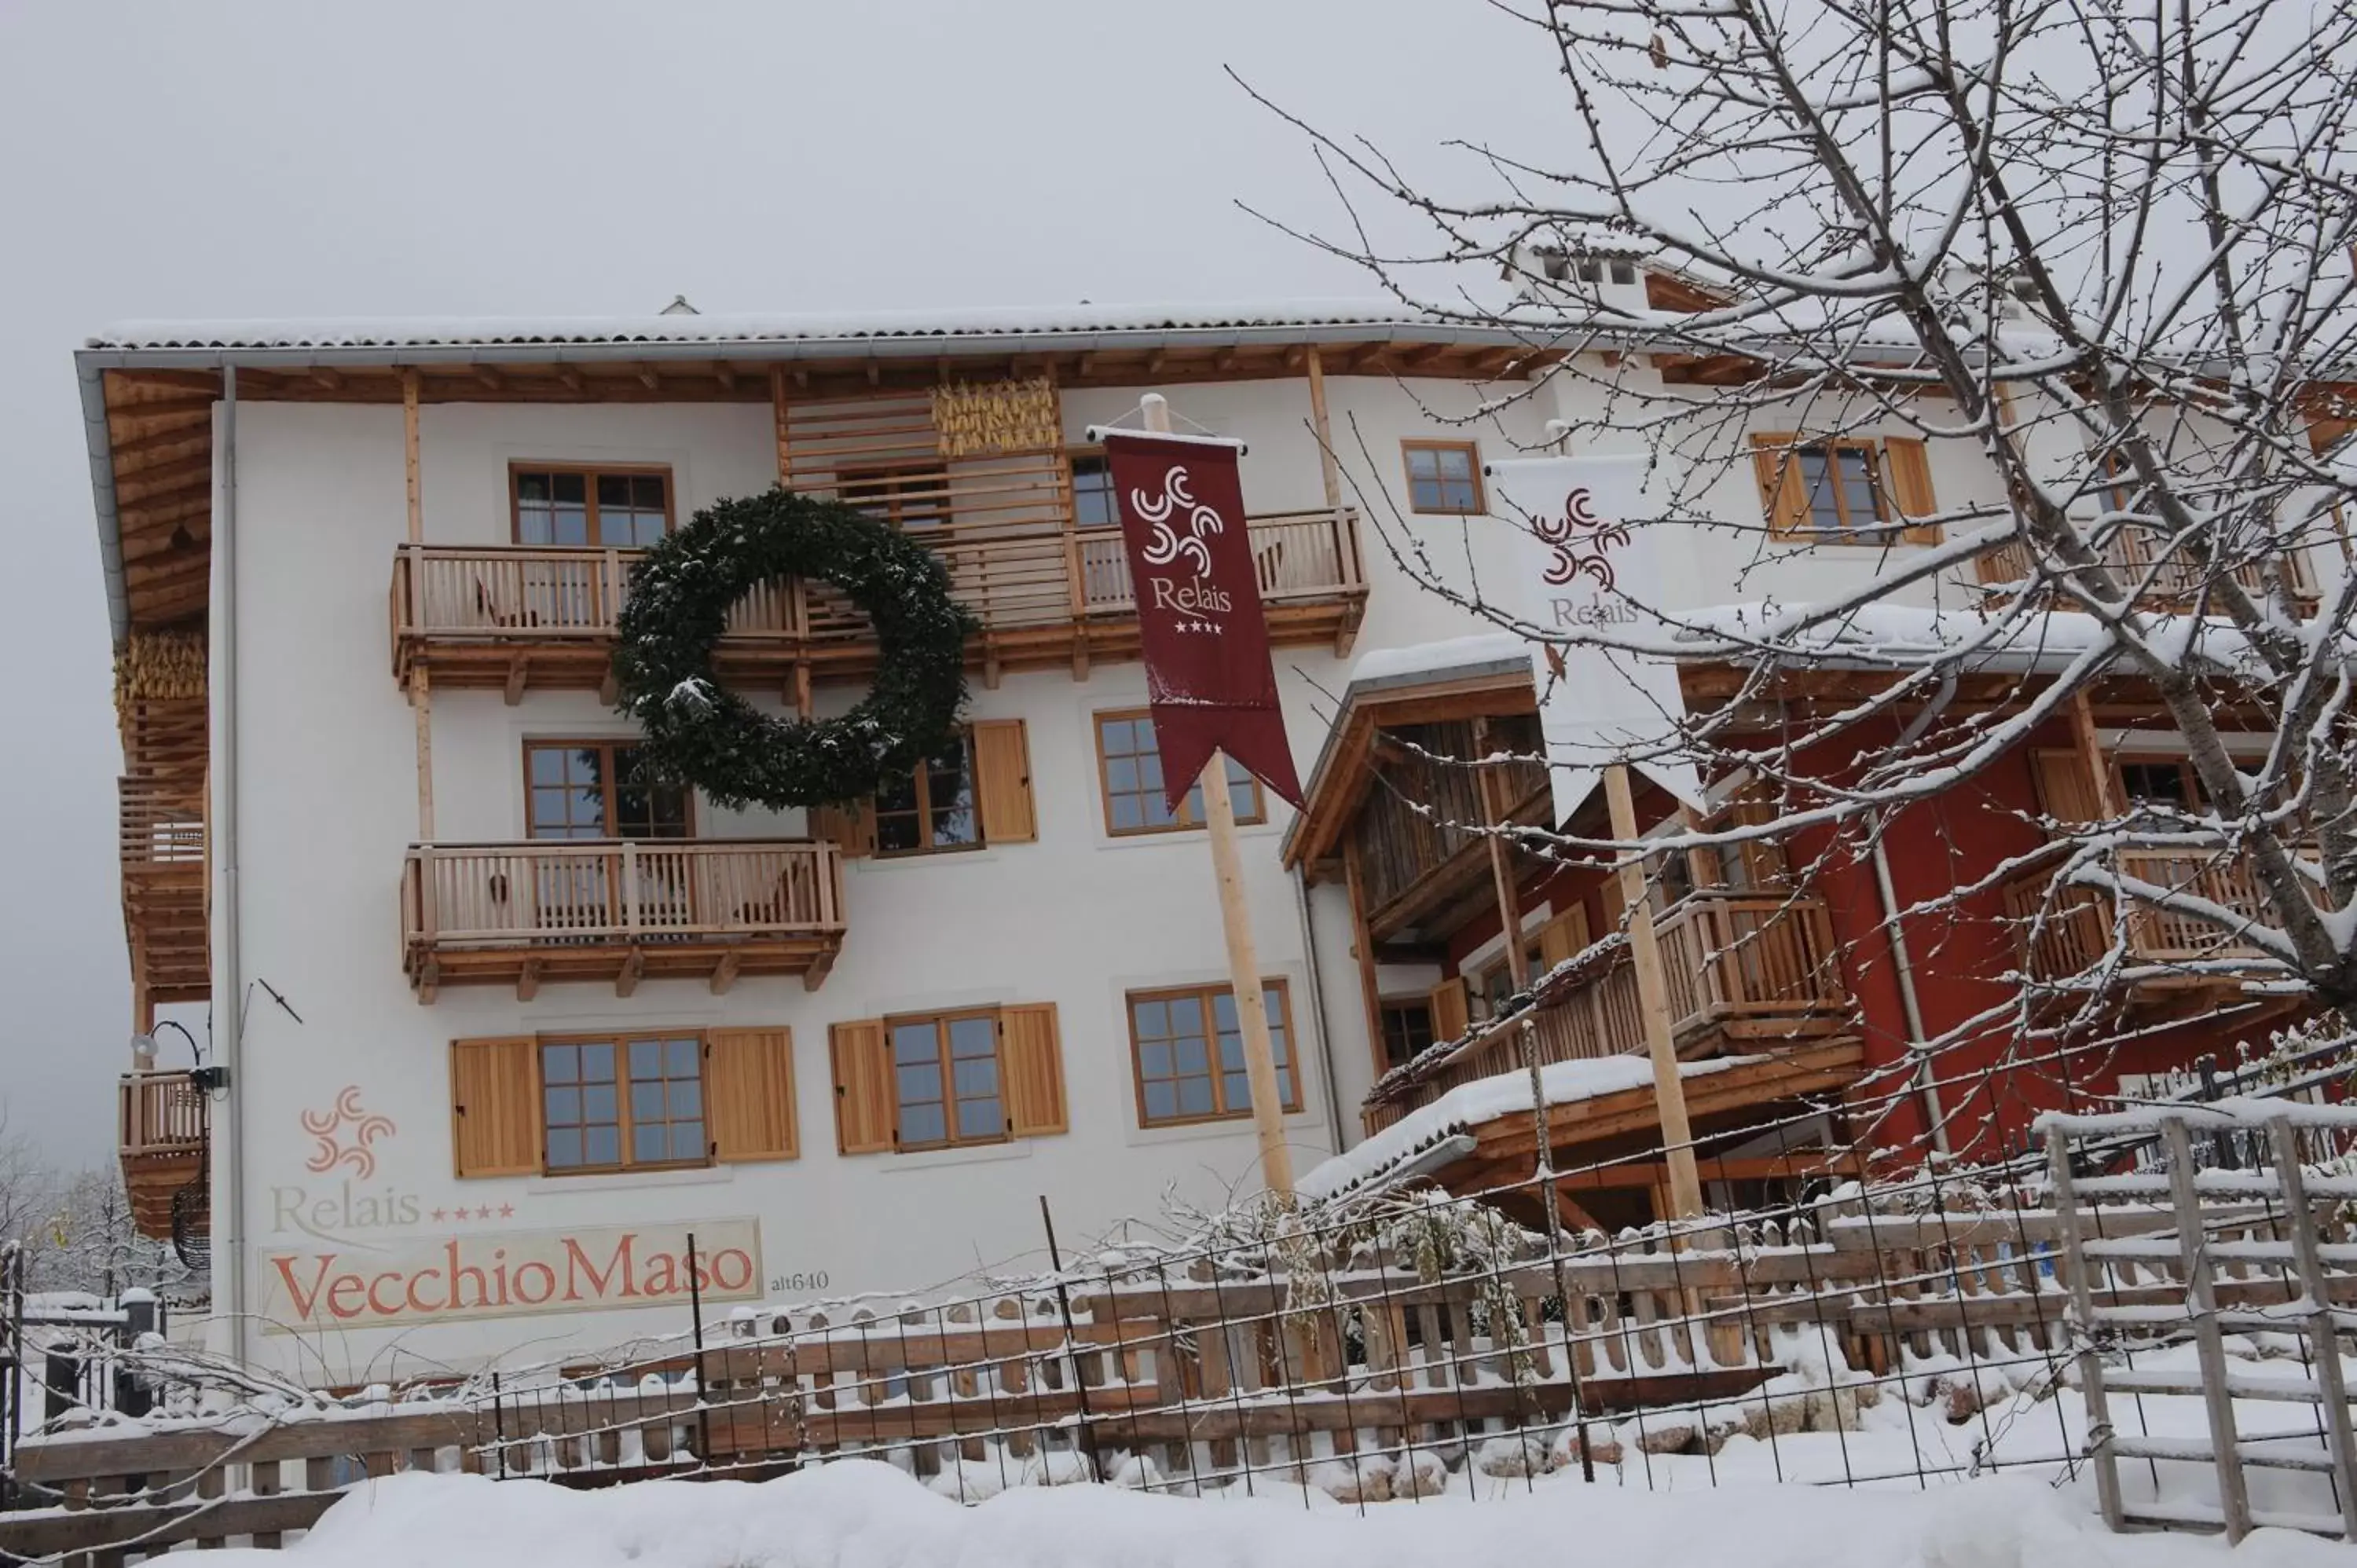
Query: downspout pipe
{"type": "Point", "coordinates": [1318, 1010]}
{"type": "Point", "coordinates": [229, 976]}
{"type": "Point", "coordinates": [1927, 1088]}
{"type": "Point", "coordinates": [100, 440]}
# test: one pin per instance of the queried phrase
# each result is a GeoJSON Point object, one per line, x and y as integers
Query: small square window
{"type": "Point", "coordinates": [1135, 796]}
{"type": "Point", "coordinates": [1094, 505]}
{"type": "Point", "coordinates": [1443, 476]}
{"type": "Point", "coordinates": [1188, 1051]}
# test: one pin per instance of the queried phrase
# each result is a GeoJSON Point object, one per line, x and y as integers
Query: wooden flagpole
{"type": "Point", "coordinates": [1243, 958]}
{"type": "Point", "coordinates": [1654, 1001]}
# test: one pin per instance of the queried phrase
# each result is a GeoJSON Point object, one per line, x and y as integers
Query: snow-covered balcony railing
{"type": "Point", "coordinates": [1045, 591]}
{"type": "Point", "coordinates": [521, 914]}
{"type": "Point", "coordinates": [1745, 968]}
{"type": "Point", "coordinates": [2066, 932]}
{"type": "Point", "coordinates": [2173, 579]}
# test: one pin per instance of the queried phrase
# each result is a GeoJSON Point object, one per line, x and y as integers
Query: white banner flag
{"type": "Point", "coordinates": [1579, 565]}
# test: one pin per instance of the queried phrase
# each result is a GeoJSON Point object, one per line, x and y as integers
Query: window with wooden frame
{"type": "Point", "coordinates": [604, 508]}
{"type": "Point", "coordinates": [584, 790]}
{"type": "Point", "coordinates": [1129, 765]}
{"type": "Point", "coordinates": [1094, 505]}
{"type": "Point", "coordinates": [1443, 476]}
{"type": "Point", "coordinates": [915, 496]}
{"type": "Point", "coordinates": [1406, 1028]}
{"type": "Point", "coordinates": [1846, 491]}
{"type": "Point", "coordinates": [1188, 1045]}
{"type": "Point", "coordinates": [977, 792]}
{"type": "Point", "coordinates": [2158, 786]}
{"type": "Point", "coordinates": [582, 1103]}
{"type": "Point", "coordinates": [950, 1079]}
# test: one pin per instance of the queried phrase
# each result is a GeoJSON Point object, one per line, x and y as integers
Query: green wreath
{"type": "Point", "coordinates": [699, 733]}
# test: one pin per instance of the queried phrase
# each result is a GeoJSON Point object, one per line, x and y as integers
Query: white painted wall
{"type": "Point", "coordinates": [1078, 918]}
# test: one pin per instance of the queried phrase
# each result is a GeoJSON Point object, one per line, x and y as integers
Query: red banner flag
{"type": "Point", "coordinates": [1205, 640]}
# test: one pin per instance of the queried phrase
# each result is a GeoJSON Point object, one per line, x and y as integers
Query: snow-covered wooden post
{"type": "Point", "coordinates": [1654, 1001]}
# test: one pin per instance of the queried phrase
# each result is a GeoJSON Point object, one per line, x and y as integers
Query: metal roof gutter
{"type": "Point", "coordinates": [101, 442]}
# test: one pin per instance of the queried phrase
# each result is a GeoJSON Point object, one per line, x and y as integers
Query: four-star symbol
{"type": "Point", "coordinates": [1211, 628]}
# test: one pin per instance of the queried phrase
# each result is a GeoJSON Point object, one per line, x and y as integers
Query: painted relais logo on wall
{"type": "Point", "coordinates": [359, 1252]}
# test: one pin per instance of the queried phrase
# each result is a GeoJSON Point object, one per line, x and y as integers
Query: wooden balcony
{"type": "Point", "coordinates": [2174, 580]}
{"type": "Point", "coordinates": [524, 914]}
{"type": "Point", "coordinates": [1742, 968]}
{"type": "Point", "coordinates": [2067, 932]}
{"type": "Point", "coordinates": [163, 1144]}
{"type": "Point", "coordinates": [1047, 594]}
{"type": "Point", "coordinates": [161, 841]}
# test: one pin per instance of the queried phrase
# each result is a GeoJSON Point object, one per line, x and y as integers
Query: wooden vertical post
{"type": "Point", "coordinates": [1363, 943]}
{"type": "Point", "coordinates": [409, 455]}
{"type": "Point", "coordinates": [1501, 864]}
{"type": "Point", "coordinates": [1653, 1001]}
{"type": "Point", "coordinates": [1328, 464]}
{"type": "Point", "coordinates": [420, 702]}
{"type": "Point", "coordinates": [2091, 752]}
{"type": "Point", "coordinates": [1243, 958]}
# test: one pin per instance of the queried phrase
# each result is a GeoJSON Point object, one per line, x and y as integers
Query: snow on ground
{"type": "Point", "coordinates": [864, 1514]}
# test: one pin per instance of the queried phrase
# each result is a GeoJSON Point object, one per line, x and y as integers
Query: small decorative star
{"type": "Point", "coordinates": [484, 1212]}
{"type": "Point", "coordinates": [507, 1210]}
{"type": "Point", "coordinates": [438, 1214]}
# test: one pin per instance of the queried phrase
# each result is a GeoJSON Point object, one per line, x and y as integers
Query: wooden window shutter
{"type": "Point", "coordinates": [2064, 785]}
{"type": "Point", "coordinates": [1001, 774]}
{"type": "Point", "coordinates": [748, 1094]}
{"type": "Point", "coordinates": [1564, 936]}
{"type": "Point", "coordinates": [851, 829]}
{"type": "Point", "coordinates": [495, 1106]}
{"type": "Point", "coordinates": [1907, 469]}
{"type": "Point", "coordinates": [1033, 1060]}
{"type": "Point", "coordinates": [1780, 492]}
{"type": "Point", "coordinates": [863, 1101]}
{"type": "Point", "coordinates": [1452, 1015]}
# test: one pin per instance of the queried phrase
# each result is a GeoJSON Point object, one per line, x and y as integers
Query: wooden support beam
{"type": "Point", "coordinates": [649, 379]}
{"type": "Point", "coordinates": [1654, 1001]}
{"type": "Point", "coordinates": [1501, 869]}
{"type": "Point", "coordinates": [429, 981]}
{"type": "Point", "coordinates": [528, 981]}
{"type": "Point", "coordinates": [409, 456]}
{"type": "Point", "coordinates": [634, 968]}
{"type": "Point", "coordinates": [1362, 948]}
{"type": "Point", "coordinates": [608, 692]}
{"type": "Point", "coordinates": [725, 374]}
{"type": "Point", "coordinates": [724, 975]}
{"type": "Point", "coordinates": [518, 666]}
{"type": "Point", "coordinates": [420, 702]}
{"type": "Point", "coordinates": [1330, 467]}
{"type": "Point", "coordinates": [815, 976]}
{"type": "Point", "coordinates": [805, 705]}
{"type": "Point", "coordinates": [2091, 754]}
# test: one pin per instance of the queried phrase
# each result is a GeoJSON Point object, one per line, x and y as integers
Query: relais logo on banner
{"type": "Point", "coordinates": [1199, 621]}
{"type": "Point", "coordinates": [1585, 576]}
{"type": "Point", "coordinates": [507, 1274]}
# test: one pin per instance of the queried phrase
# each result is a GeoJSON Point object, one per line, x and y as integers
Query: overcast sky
{"type": "Point", "coordinates": [244, 160]}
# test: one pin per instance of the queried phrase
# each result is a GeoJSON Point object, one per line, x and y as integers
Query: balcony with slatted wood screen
{"type": "Point", "coordinates": [1047, 578]}
{"type": "Point", "coordinates": [619, 913]}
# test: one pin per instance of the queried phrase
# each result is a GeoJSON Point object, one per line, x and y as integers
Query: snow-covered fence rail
{"type": "Point", "coordinates": [1399, 1348]}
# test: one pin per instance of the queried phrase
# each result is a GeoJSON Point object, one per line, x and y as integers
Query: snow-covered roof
{"type": "Point", "coordinates": [984, 322]}
{"type": "Point", "coordinates": [1485, 1099]}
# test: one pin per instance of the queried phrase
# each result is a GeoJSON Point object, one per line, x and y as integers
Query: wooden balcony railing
{"type": "Point", "coordinates": [486, 614]}
{"type": "Point", "coordinates": [161, 826]}
{"type": "Point", "coordinates": [2171, 579]}
{"type": "Point", "coordinates": [525, 913]}
{"type": "Point", "coordinates": [2067, 931]}
{"type": "Point", "coordinates": [1748, 966]}
{"type": "Point", "coordinates": [162, 1123]}
{"type": "Point", "coordinates": [161, 1113]}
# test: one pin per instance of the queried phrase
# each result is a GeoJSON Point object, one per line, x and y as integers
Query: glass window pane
{"type": "Point", "coordinates": [898, 834]}
{"type": "Point", "coordinates": [564, 1106]}
{"type": "Point", "coordinates": [647, 491]}
{"type": "Point", "coordinates": [1128, 813]}
{"type": "Point", "coordinates": [919, 1080]}
{"type": "Point", "coordinates": [1455, 463]}
{"type": "Point", "coordinates": [601, 1103]}
{"type": "Point", "coordinates": [1194, 1056]}
{"type": "Point", "coordinates": [980, 1119]}
{"type": "Point", "coordinates": [1235, 1087]}
{"type": "Point", "coordinates": [1152, 1017]}
{"type": "Point", "coordinates": [649, 1145]}
{"type": "Point", "coordinates": [1422, 462]}
{"type": "Point", "coordinates": [974, 1037]}
{"type": "Point", "coordinates": [1154, 1058]}
{"type": "Point", "coordinates": [564, 1147]}
{"type": "Point", "coordinates": [531, 487]}
{"type": "Point", "coordinates": [1223, 1010]}
{"type": "Point", "coordinates": [547, 765]}
{"type": "Point", "coordinates": [687, 1096]}
{"type": "Point", "coordinates": [1161, 1100]}
{"type": "Point", "coordinates": [1195, 1096]}
{"type": "Point", "coordinates": [613, 489]}
{"type": "Point", "coordinates": [598, 1061]}
{"type": "Point", "coordinates": [914, 1043]}
{"type": "Point", "coordinates": [1187, 1016]}
{"type": "Point", "coordinates": [923, 1124]}
{"type": "Point", "coordinates": [646, 1102]}
{"type": "Point", "coordinates": [602, 1146]}
{"type": "Point", "coordinates": [976, 1077]}
{"type": "Point", "coordinates": [1284, 1084]}
{"type": "Point", "coordinates": [646, 1059]}
{"type": "Point", "coordinates": [688, 1141]}
{"type": "Point", "coordinates": [683, 1059]}
{"type": "Point", "coordinates": [570, 488]}
{"type": "Point", "coordinates": [560, 1063]}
